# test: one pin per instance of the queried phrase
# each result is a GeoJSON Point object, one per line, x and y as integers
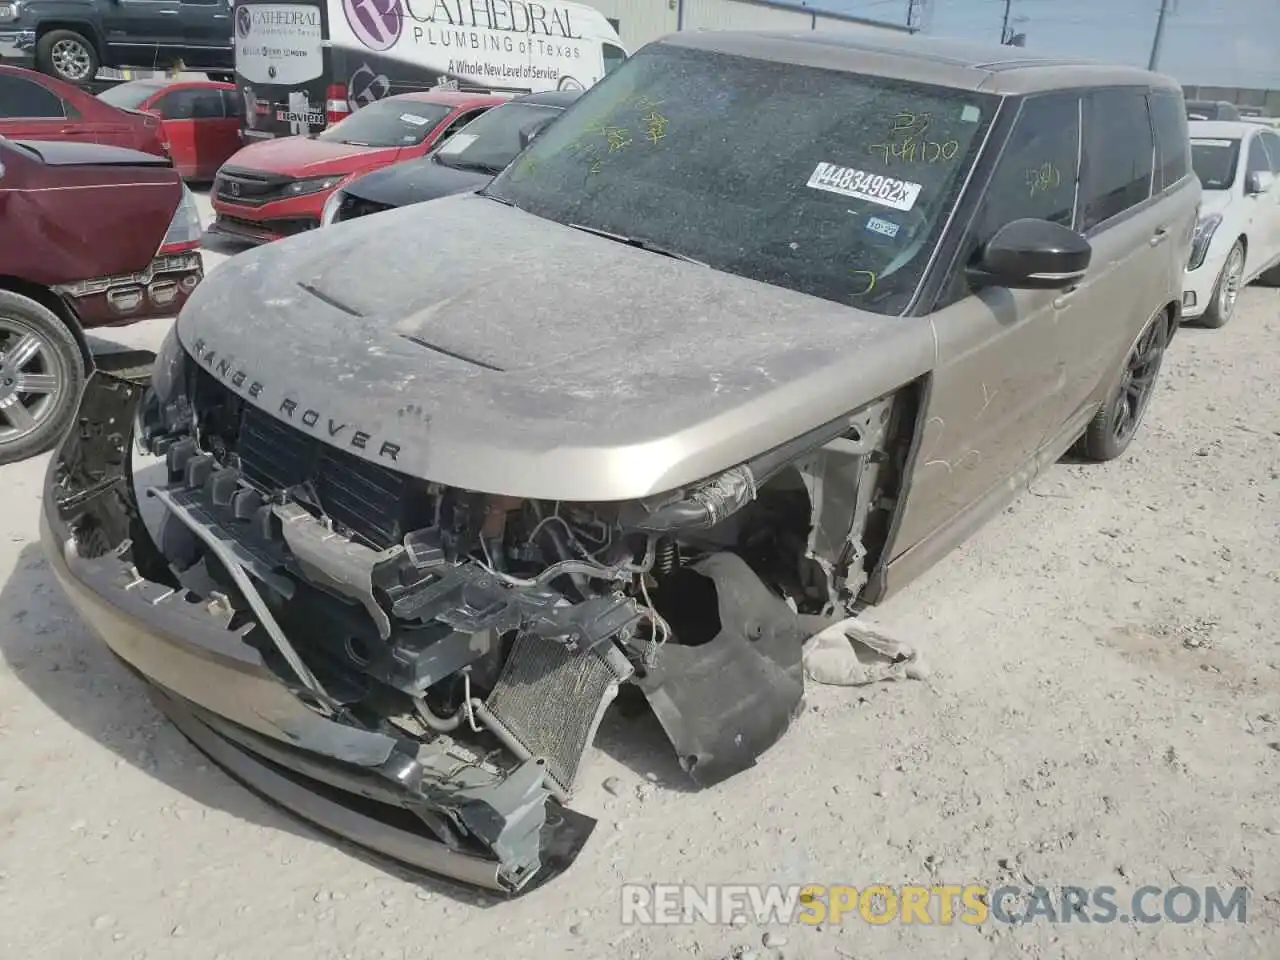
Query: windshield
{"type": "Point", "coordinates": [127, 96]}
{"type": "Point", "coordinates": [830, 183]}
{"type": "Point", "coordinates": [387, 123]}
{"type": "Point", "coordinates": [1214, 162]}
{"type": "Point", "coordinates": [492, 141]}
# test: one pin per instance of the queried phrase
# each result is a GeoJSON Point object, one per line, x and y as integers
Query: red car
{"type": "Point", "coordinates": [201, 119]}
{"type": "Point", "coordinates": [36, 107]}
{"type": "Point", "coordinates": [277, 188]}
{"type": "Point", "coordinates": [90, 236]}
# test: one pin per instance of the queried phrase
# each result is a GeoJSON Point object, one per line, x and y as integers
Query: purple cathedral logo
{"type": "Point", "coordinates": [244, 21]}
{"type": "Point", "coordinates": [376, 23]}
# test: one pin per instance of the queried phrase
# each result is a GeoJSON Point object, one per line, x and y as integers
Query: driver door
{"type": "Point", "coordinates": [206, 34]}
{"type": "Point", "coordinates": [998, 392]}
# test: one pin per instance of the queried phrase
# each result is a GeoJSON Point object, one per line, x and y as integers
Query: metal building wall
{"type": "Point", "coordinates": [734, 15]}
{"type": "Point", "coordinates": [640, 21]}
{"type": "Point", "coordinates": [828, 24]}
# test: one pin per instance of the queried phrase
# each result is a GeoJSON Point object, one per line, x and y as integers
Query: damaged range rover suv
{"type": "Point", "coordinates": [759, 329]}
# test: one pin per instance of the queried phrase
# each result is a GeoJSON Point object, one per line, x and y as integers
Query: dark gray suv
{"type": "Point", "coordinates": [72, 39]}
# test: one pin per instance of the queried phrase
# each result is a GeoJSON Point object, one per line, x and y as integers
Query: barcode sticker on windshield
{"type": "Point", "coordinates": [413, 118]}
{"type": "Point", "coordinates": [850, 182]}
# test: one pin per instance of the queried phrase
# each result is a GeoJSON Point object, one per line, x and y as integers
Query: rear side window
{"type": "Point", "coordinates": [192, 105]}
{"type": "Point", "coordinates": [1259, 162]}
{"type": "Point", "coordinates": [613, 56]}
{"type": "Point", "coordinates": [458, 122]}
{"type": "Point", "coordinates": [233, 103]}
{"type": "Point", "coordinates": [1173, 145]}
{"type": "Point", "coordinates": [1119, 153]}
{"type": "Point", "coordinates": [1272, 142]}
{"type": "Point", "coordinates": [1038, 170]}
{"type": "Point", "coordinates": [23, 99]}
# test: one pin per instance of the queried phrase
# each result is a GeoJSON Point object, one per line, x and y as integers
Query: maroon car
{"type": "Point", "coordinates": [90, 236]}
{"type": "Point", "coordinates": [36, 107]}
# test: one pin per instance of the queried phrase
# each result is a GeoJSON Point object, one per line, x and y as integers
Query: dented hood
{"type": "Point", "coordinates": [476, 345]}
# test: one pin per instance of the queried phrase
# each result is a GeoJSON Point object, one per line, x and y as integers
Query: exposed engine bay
{"type": "Point", "coordinates": [492, 631]}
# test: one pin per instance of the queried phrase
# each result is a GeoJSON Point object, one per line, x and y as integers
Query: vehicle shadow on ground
{"type": "Point", "coordinates": [217, 243]}
{"type": "Point", "coordinates": [632, 736]}
{"type": "Point", "coordinates": [52, 652]}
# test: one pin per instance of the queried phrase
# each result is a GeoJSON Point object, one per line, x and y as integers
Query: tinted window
{"type": "Point", "coordinates": [490, 143]}
{"type": "Point", "coordinates": [460, 121]}
{"type": "Point", "coordinates": [830, 183]}
{"type": "Point", "coordinates": [129, 96]}
{"type": "Point", "coordinates": [192, 105]}
{"type": "Point", "coordinates": [1215, 162]}
{"type": "Point", "coordinates": [233, 103]}
{"type": "Point", "coordinates": [1118, 154]}
{"type": "Point", "coordinates": [1272, 143]}
{"type": "Point", "coordinates": [1038, 169]}
{"type": "Point", "coordinates": [1173, 160]}
{"type": "Point", "coordinates": [388, 123]}
{"type": "Point", "coordinates": [21, 98]}
{"type": "Point", "coordinates": [1258, 162]}
{"type": "Point", "coordinates": [613, 56]}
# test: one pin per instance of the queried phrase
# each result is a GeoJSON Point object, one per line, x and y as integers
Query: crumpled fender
{"type": "Point", "coordinates": [725, 702]}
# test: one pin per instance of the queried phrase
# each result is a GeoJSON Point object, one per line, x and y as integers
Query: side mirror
{"type": "Point", "coordinates": [1032, 255]}
{"type": "Point", "coordinates": [1259, 181]}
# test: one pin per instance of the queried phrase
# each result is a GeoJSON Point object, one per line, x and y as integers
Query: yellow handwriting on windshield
{"type": "Point", "coordinates": [1043, 178]}
{"type": "Point", "coordinates": [655, 126]}
{"type": "Point", "coordinates": [645, 104]}
{"type": "Point", "coordinates": [908, 143]}
{"type": "Point", "coordinates": [616, 137]}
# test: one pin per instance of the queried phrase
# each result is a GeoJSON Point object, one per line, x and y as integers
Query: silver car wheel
{"type": "Point", "coordinates": [30, 381]}
{"type": "Point", "coordinates": [71, 59]}
{"type": "Point", "coordinates": [1231, 282]}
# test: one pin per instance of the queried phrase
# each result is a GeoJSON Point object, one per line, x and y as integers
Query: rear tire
{"type": "Point", "coordinates": [67, 55]}
{"type": "Point", "coordinates": [1226, 291]}
{"type": "Point", "coordinates": [1115, 425]}
{"type": "Point", "coordinates": [36, 350]}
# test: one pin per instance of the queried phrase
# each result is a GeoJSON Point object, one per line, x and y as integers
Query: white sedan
{"type": "Point", "coordinates": [1237, 239]}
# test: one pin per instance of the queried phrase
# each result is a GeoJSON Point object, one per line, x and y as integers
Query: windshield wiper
{"type": "Point", "coordinates": [638, 243]}
{"type": "Point", "coordinates": [470, 165]}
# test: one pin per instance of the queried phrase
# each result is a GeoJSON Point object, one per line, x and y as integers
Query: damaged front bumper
{"type": "Point", "coordinates": [384, 792]}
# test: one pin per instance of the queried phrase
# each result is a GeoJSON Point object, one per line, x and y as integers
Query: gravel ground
{"type": "Point", "coordinates": [1103, 710]}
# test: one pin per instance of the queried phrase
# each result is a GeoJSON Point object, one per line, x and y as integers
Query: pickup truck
{"type": "Point", "coordinates": [72, 39]}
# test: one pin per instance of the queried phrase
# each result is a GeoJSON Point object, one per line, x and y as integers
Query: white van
{"type": "Point", "coordinates": [301, 66]}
